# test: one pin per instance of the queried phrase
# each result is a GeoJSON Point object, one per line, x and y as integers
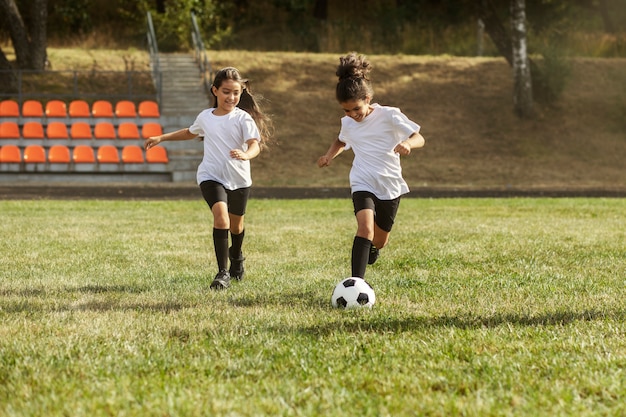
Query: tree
{"type": "Point", "coordinates": [29, 43]}
{"type": "Point", "coordinates": [522, 96]}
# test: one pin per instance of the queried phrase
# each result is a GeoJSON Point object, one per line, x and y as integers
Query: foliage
{"type": "Point", "coordinates": [485, 307]}
{"type": "Point", "coordinates": [413, 27]}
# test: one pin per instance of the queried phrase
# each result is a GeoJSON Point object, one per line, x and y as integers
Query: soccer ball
{"type": "Point", "coordinates": [352, 293]}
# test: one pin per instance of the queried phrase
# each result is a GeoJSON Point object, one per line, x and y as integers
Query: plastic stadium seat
{"type": "Point", "coordinates": [83, 154]}
{"type": "Point", "coordinates": [127, 130]}
{"type": "Point", "coordinates": [56, 108]}
{"type": "Point", "coordinates": [149, 108]}
{"type": "Point", "coordinates": [149, 129]}
{"type": "Point", "coordinates": [108, 154]}
{"type": "Point", "coordinates": [10, 154]}
{"type": "Point", "coordinates": [9, 130]}
{"type": "Point", "coordinates": [102, 108]}
{"type": "Point", "coordinates": [57, 130]}
{"type": "Point", "coordinates": [104, 130]}
{"type": "Point", "coordinates": [80, 130]}
{"type": "Point", "coordinates": [157, 155]}
{"type": "Point", "coordinates": [32, 130]}
{"type": "Point", "coordinates": [59, 154]}
{"type": "Point", "coordinates": [79, 108]}
{"type": "Point", "coordinates": [32, 108]}
{"type": "Point", "coordinates": [132, 154]}
{"type": "Point", "coordinates": [125, 108]}
{"type": "Point", "coordinates": [9, 108]}
{"type": "Point", "coordinates": [34, 154]}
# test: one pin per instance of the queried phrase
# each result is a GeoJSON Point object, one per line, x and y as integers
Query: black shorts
{"type": "Point", "coordinates": [236, 200]}
{"type": "Point", "coordinates": [384, 210]}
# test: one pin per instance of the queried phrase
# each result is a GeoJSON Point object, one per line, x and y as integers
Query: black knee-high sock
{"type": "Point", "coordinates": [237, 243]}
{"type": "Point", "coordinates": [360, 255]}
{"type": "Point", "coordinates": [220, 242]}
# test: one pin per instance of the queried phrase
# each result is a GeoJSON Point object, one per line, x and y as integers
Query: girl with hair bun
{"type": "Point", "coordinates": [378, 136]}
{"type": "Point", "coordinates": [233, 131]}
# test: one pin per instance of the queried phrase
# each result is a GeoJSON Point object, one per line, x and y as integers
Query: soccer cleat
{"type": "Point", "coordinates": [236, 269]}
{"type": "Point", "coordinates": [374, 252]}
{"type": "Point", "coordinates": [221, 281]}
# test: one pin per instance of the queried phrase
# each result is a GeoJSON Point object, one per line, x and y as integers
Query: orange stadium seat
{"type": "Point", "coordinates": [56, 108]}
{"type": "Point", "coordinates": [10, 154]}
{"type": "Point", "coordinates": [104, 130]}
{"type": "Point", "coordinates": [132, 154]}
{"type": "Point", "coordinates": [125, 108]}
{"type": "Point", "coordinates": [59, 154]}
{"type": "Point", "coordinates": [9, 130]}
{"type": "Point", "coordinates": [127, 130]}
{"type": "Point", "coordinates": [149, 129]}
{"type": "Point", "coordinates": [83, 154]}
{"type": "Point", "coordinates": [79, 108]}
{"type": "Point", "coordinates": [108, 154]}
{"type": "Point", "coordinates": [157, 155]}
{"type": "Point", "coordinates": [149, 108]}
{"type": "Point", "coordinates": [80, 130]}
{"type": "Point", "coordinates": [32, 108]}
{"type": "Point", "coordinates": [9, 108]}
{"type": "Point", "coordinates": [102, 108]}
{"type": "Point", "coordinates": [32, 130]}
{"type": "Point", "coordinates": [34, 154]}
{"type": "Point", "coordinates": [57, 130]}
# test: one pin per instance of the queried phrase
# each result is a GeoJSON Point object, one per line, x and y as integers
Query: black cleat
{"type": "Point", "coordinates": [221, 281]}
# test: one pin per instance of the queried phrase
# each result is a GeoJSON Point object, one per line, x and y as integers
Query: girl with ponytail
{"type": "Point", "coordinates": [234, 131]}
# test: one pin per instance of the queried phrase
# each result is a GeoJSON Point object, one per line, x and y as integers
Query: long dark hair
{"type": "Point", "coordinates": [354, 83]}
{"type": "Point", "coordinates": [247, 101]}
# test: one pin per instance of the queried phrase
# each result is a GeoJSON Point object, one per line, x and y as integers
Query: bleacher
{"type": "Point", "coordinates": [58, 140]}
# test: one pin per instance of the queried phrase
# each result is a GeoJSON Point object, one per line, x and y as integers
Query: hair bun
{"type": "Point", "coordinates": [353, 65]}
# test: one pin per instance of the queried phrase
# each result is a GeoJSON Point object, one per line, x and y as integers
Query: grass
{"type": "Point", "coordinates": [485, 307]}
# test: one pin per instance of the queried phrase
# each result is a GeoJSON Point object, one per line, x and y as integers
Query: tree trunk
{"type": "Point", "coordinates": [30, 52]}
{"type": "Point", "coordinates": [495, 29]}
{"type": "Point", "coordinates": [609, 27]}
{"type": "Point", "coordinates": [523, 91]}
{"type": "Point", "coordinates": [38, 34]}
{"type": "Point", "coordinates": [8, 82]}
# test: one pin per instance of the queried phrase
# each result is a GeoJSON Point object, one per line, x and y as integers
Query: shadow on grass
{"type": "Point", "coordinates": [293, 299]}
{"type": "Point", "coordinates": [371, 323]}
{"type": "Point", "coordinates": [39, 300]}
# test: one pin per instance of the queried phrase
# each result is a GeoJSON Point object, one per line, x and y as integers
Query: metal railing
{"type": "Point", "coordinates": [201, 56]}
{"type": "Point", "coordinates": [153, 49]}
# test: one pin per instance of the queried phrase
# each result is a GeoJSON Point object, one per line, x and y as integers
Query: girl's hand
{"type": "Point", "coordinates": [239, 155]}
{"type": "Point", "coordinates": [151, 142]}
{"type": "Point", "coordinates": [402, 148]}
{"type": "Point", "coordinates": [323, 161]}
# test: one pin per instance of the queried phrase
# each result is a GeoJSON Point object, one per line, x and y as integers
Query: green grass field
{"type": "Point", "coordinates": [485, 307]}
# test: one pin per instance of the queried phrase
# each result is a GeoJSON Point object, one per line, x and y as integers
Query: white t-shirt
{"type": "Point", "coordinates": [221, 135]}
{"type": "Point", "coordinates": [376, 167]}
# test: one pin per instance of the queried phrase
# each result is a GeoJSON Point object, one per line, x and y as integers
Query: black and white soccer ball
{"type": "Point", "coordinates": [353, 292]}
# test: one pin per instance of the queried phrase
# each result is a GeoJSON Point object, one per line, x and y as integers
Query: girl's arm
{"type": "Point", "coordinates": [253, 150]}
{"type": "Point", "coordinates": [335, 149]}
{"type": "Point", "coordinates": [182, 134]}
{"type": "Point", "coordinates": [416, 140]}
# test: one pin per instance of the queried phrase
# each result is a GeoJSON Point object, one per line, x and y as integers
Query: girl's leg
{"type": "Point", "coordinates": [221, 224]}
{"type": "Point", "coordinates": [237, 233]}
{"type": "Point", "coordinates": [237, 203]}
{"type": "Point", "coordinates": [362, 242]}
{"type": "Point", "coordinates": [215, 196]}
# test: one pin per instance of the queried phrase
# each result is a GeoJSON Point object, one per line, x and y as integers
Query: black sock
{"type": "Point", "coordinates": [360, 256]}
{"type": "Point", "coordinates": [220, 242]}
{"type": "Point", "coordinates": [237, 242]}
